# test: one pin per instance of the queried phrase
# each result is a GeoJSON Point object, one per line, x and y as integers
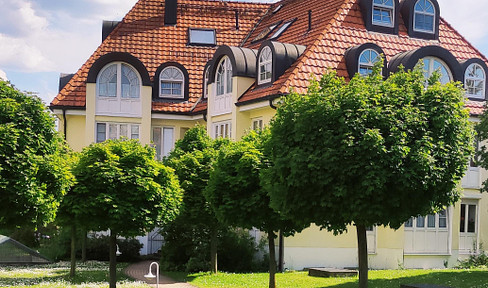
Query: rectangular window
{"type": "Point", "coordinates": [282, 29]}
{"type": "Point", "coordinates": [257, 124]}
{"type": "Point", "coordinates": [116, 131]}
{"type": "Point", "coordinates": [420, 221]}
{"type": "Point", "coordinates": [409, 223]}
{"type": "Point", "coordinates": [438, 220]}
{"type": "Point", "coordinates": [431, 221]}
{"type": "Point", "coordinates": [163, 141]}
{"type": "Point", "coordinates": [222, 129]}
{"type": "Point", "coordinates": [443, 219]}
{"type": "Point", "coordinates": [201, 37]}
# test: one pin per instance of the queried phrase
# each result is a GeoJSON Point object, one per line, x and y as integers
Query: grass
{"type": "Point", "coordinates": [474, 278]}
{"type": "Point", "coordinates": [95, 274]}
{"type": "Point", "coordinates": [90, 274]}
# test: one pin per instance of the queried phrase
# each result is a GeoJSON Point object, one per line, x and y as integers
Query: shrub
{"type": "Point", "coordinates": [97, 248]}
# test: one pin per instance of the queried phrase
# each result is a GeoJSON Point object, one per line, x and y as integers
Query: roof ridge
{"type": "Point", "coordinates": [320, 37]}
{"type": "Point", "coordinates": [462, 37]}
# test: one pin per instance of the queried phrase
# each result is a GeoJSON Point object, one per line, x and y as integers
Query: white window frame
{"type": "Point", "coordinates": [421, 233]}
{"type": "Point", "coordinates": [222, 129]}
{"type": "Point", "coordinates": [257, 124]}
{"type": "Point", "coordinates": [370, 63]}
{"type": "Point", "coordinates": [118, 93]}
{"type": "Point", "coordinates": [163, 148]}
{"type": "Point", "coordinates": [205, 82]}
{"type": "Point", "coordinates": [265, 62]}
{"type": "Point", "coordinates": [428, 72]}
{"type": "Point", "coordinates": [192, 35]}
{"type": "Point", "coordinates": [475, 80]}
{"type": "Point", "coordinates": [222, 101]}
{"type": "Point", "coordinates": [172, 81]}
{"type": "Point", "coordinates": [131, 128]}
{"type": "Point", "coordinates": [415, 12]}
{"type": "Point", "coordinates": [473, 235]}
{"type": "Point", "coordinates": [384, 7]}
{"type": "Point", "coordinates": [282, 29]}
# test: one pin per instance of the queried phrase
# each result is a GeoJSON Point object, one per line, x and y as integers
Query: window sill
{"type": "Point", "coordinates": [427, 254]}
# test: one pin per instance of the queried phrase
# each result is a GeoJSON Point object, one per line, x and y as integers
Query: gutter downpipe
{"type": "Point", "coordinates": [65, 124]}
{"type": "Point", "coordinates": [272, 105]}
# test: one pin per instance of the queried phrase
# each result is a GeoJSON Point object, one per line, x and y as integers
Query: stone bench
{"type": "Point", "coordinates": [331, 272]}
{"type": "Point", "coordinates": [422, 286]}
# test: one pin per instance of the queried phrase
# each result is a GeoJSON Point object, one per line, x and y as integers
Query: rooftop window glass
{"type": "Point", "coordinates": [424, 16]}
{"type": "Point", "coordinates": [201, 37]}
{"type": "Point", "coordinates": [266, 31]}
{"type": "Point", "coordinates": [282, 29]}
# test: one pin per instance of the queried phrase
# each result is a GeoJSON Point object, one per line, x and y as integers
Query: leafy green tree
{"type": "Point", "coordinates": [193, 159]}
{"type": "Point", "coordinates": [369, 152]}
{"type": "Point", "coordinates": [122, 188]}
{"type": "Point", "coordinates": [33, 171]}
{"type": "Point", "coordinates": [237, 196]}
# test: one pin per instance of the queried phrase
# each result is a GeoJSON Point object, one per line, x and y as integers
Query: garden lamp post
{"type": "Point", "coordinates": [150, 275]}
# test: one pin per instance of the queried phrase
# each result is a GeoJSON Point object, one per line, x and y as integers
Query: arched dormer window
{"type": "Point", "coordinates": [361, 59]}
{"type": "Point", "coordinates": [380, 15]}
{"type": "Point", "coordinates": [265, 65]}
{"type": "Point", "coordinates": [424, 16]}
{"type": "Point", "coordinates": [367, 59]}
{"type": "Point", "coordinates": [223, 77]}
{"type": "Point", "coordinates": [433, 64]}
{"type": "Point", "coordinates": [475, 81]}
{"type": "Point", "coordinates": [421, 18]}
{"type": "Point", "coordinates": [383, 12]}
{"type": "Point", "coordinates": [172, 83]}
{"type": "Point", "coordinates": [118, 80]}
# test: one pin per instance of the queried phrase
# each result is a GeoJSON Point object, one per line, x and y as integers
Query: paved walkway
{"type": "Point", "coordinates": [138, 270]}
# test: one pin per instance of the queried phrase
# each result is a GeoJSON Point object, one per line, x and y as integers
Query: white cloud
{"type": "Point", "coordinates": [3, 75]}
{"type": "Point", "coordinates": [18, 19]}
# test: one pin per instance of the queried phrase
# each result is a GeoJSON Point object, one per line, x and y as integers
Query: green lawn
{"type": "Point", "coordinates": [378, 279]}
{"type": "Point", "coordinates": [95, 274]}
{"type": "Point", "coordinates": [90, 274]}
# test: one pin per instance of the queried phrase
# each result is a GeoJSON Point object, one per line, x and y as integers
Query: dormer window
{"type": "Point", "coordinates": [475, 81]}
{"type": "Point", "coordinates": [383, 11]}
{"type": "Point", "coordinates": [367, 59]}
{"type": "Point", "coordinates": [424, 16]}
{"type": "Point", "coordinates": [118, 80]}
{"type": "Point", "coordinates": [266, 31]}
{"type": "Point", "coordinates": [171, 82]}
{"type": "Point", "coordinates": [433, 64]}
{"type": "Point", "coordinates": [224, 77]}
{"type": "Point", "coordinates": [265, 65]}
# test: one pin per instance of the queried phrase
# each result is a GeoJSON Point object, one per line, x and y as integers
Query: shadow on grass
{"type": "Point", "coordinates": [450, 278]}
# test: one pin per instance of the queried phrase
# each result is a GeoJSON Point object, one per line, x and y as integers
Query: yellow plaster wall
{"type": "Point", "coordinates": [180, 126]}
{"type": "Point", "coordinates": [90, 113]}
{"type": "Point", "coordinates": [75, 132]}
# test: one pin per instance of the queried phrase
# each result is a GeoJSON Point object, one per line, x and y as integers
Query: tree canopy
{"type": "Point", "coordinates": [369, 151]}
{"type": "Point", "coordinates": [33, 167]}
{"type": "Point", "coordinates": [237, 196]}
{"type": "Point", "coordinates": [120, 186]}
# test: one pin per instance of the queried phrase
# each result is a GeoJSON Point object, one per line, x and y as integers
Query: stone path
{"type": "Point", "coordinates": [138, 270]}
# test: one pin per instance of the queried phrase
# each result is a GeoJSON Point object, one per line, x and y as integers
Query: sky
{"type": "Point", "coordinates": [39, 39]}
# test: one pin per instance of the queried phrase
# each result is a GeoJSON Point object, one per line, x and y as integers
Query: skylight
{"type": "Point", "coordinates": [282, 29]}
{"type": "Point", "coordinates": [201, 37]}
{"type": "Point", "coordinates": [266, 31]}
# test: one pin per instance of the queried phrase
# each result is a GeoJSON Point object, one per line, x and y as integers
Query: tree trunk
{"type": "Point", "coordinates": [72, 270]}
{"type": "Point", "coordinates": [83, 246]}
{"type": "Point", "coordinates": [362, 256]}
{"type": "Point", "coordinates": [272, 260]}
{"type": "Point", "coordinates": [113, 259]}
{"type": "Point", "coordinates": [213, 250]}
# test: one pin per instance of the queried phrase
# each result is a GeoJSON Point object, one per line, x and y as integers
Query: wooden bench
{"type": "Point", "coordinates": [331, 272]}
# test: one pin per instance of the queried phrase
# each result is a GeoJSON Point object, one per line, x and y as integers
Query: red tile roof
{"type": "Point", "coordinates": [337, 26]}
{"type": "Point", "coordinates": [142, 33]}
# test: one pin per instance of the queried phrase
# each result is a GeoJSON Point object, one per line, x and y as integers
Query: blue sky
{"type": "Point", "coordinates": [39, 39]}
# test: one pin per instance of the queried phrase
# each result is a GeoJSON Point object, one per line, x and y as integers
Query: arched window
{"type": "Point", "coordinates": [367, 59]}
{"type": "Point", "coordinates": [172, 83]}
{"type": "Point", "coordinates": [223, 77]}
{"type": "Point", "coordinates": [424, 16]}
{"type": "Point", "coordinates": [475, 81]}
{"type": "Point", "coordinates": [119, 80]}
{"type": "Point", "coordinates": [383, 12]}
{"type": "Point", "coordinates": [432, 64]}
{"type": "Point", "coordinates": [265, 65]}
